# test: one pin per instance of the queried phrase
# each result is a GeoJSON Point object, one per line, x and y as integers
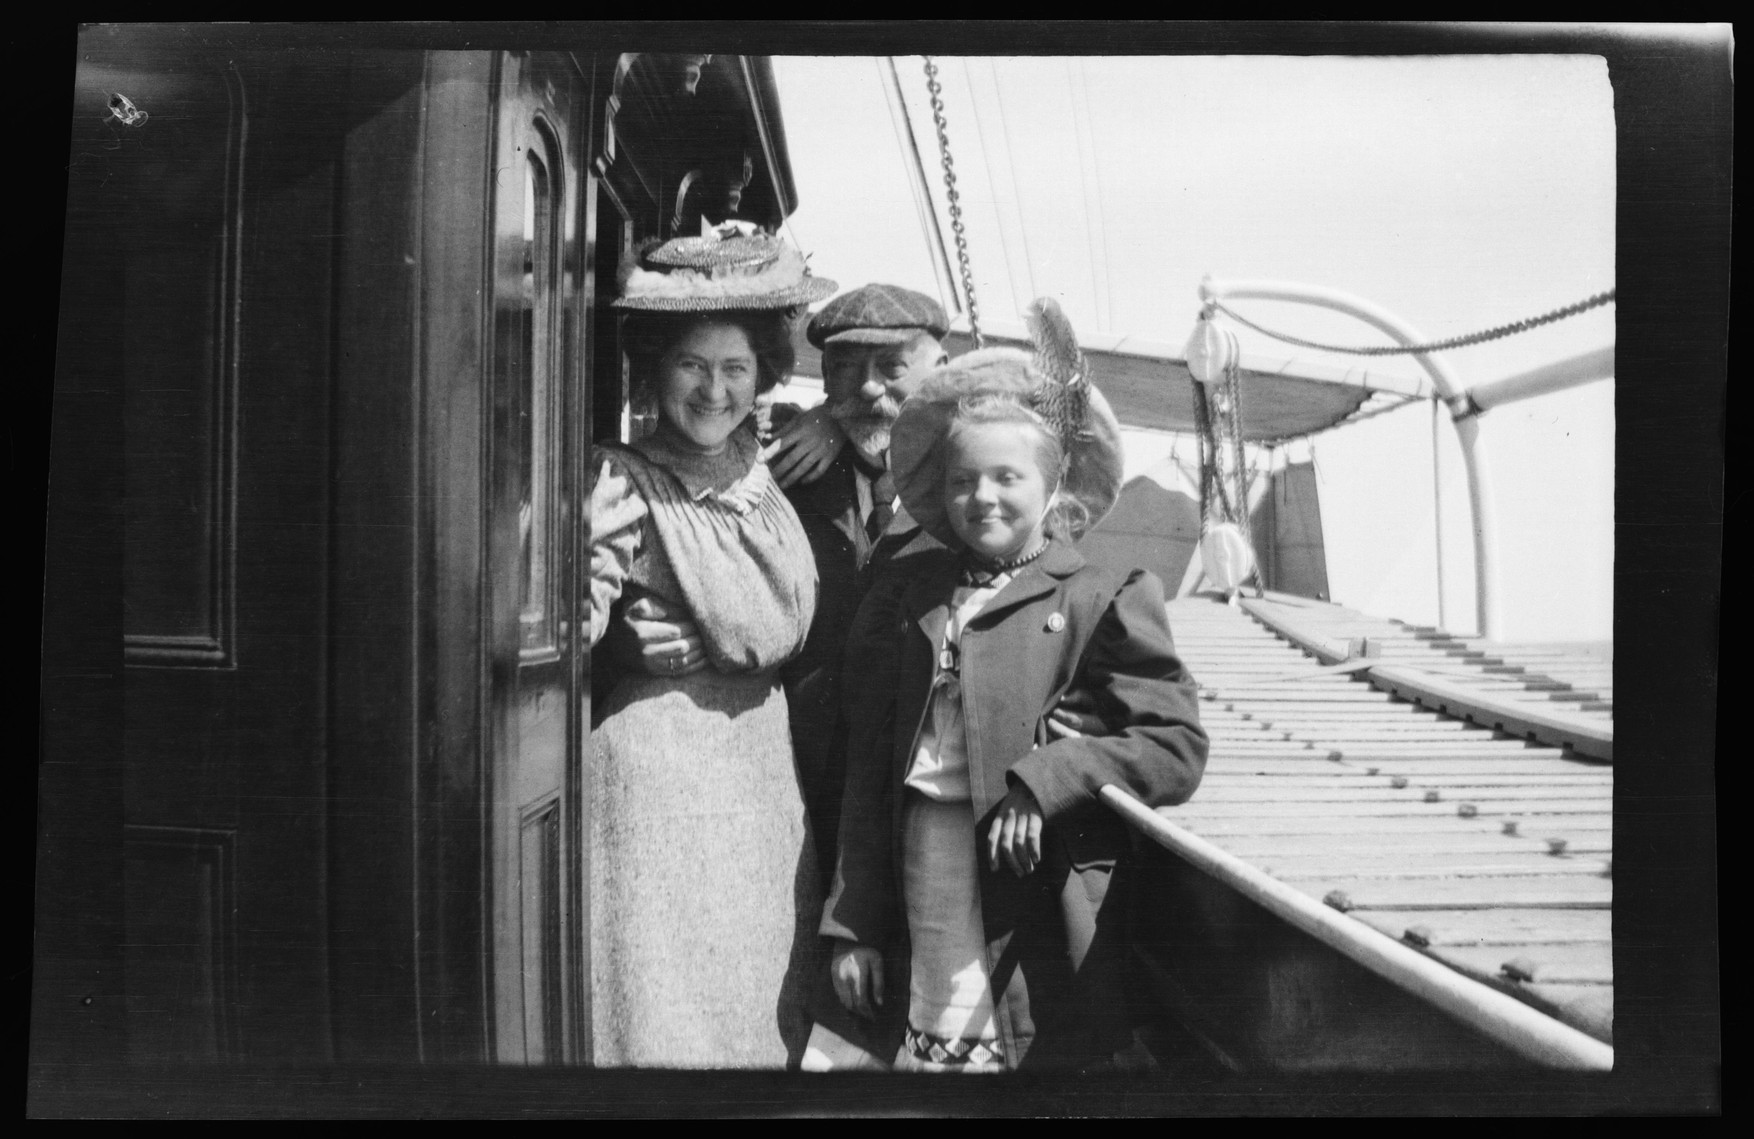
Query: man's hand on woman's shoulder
{"type": "Point", "coordinates": [804, 447]}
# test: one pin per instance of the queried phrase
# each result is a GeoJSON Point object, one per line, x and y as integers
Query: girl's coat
{"type": "Point", "coordinates": [1061, 625]}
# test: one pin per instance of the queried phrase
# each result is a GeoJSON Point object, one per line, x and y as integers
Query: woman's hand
{"type": "Point", "coordinates": [1074, 716]}
{"type": "Point", "coordinates": [1015, 835]}
{"type": "Point", "coordinates": [805, 448]}
{"type": "Point", "coordinates": [666, 641]}
{"type": "Point", "coordinates": [858, 977]}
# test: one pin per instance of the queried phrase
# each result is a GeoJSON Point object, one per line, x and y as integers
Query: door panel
{"type": "Point", "coordinates": [203, 203]}
{"type": "Point", "coordinates": [532, 555]}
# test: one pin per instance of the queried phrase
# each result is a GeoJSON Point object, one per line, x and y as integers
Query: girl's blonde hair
{"type": "Point", "coordinates": [1067, 515]}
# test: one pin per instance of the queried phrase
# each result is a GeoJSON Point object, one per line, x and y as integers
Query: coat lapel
{"type": "Point", "coordinates": [927, 600]}
{"type": "Point", "coordinates": [1040, 577]}
{"type": "Point", "coordinates": [924, 604]}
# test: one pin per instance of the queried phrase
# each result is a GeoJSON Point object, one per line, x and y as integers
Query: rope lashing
{"type": "Point", "coordinates": [955, 200]}
{"type": "Point", "coordinates": [1215, 362]}
{"type": "Point", "coordinates": [1481, 337]}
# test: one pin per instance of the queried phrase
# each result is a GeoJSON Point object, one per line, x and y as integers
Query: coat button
{"type": "Point", "coordinates": [1055, 622]}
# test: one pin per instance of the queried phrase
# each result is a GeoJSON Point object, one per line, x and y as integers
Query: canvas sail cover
{"type": "Point", "coordinates": [1152, 526]}
{"type": "Point", "coordinates": [1149, 386]}
{"type": "Point", "coordinates": [1287, 534]}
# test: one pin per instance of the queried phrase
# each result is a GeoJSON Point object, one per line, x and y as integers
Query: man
{"type": "Point", "coordinates": [876, 342]}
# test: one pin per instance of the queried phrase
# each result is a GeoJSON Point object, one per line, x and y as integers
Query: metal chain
{"type": "Point", "coordinates": [1233, 398]}
{"type": "Point", "coordinates": [1501, 331]}
{"type": "Point", "coordinates": [936, 92]}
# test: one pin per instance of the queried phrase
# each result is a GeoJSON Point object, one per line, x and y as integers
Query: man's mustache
{"type": "Point", "coordinates": [856, 408]}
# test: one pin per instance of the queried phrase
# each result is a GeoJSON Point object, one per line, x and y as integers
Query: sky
{"type": "Point", "coordinates": [1458, 192]}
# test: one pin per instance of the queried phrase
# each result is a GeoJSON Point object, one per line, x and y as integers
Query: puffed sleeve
{"type": "Point", "coordinates": [1156, 748]}
{"type": "Point", "coordinates": [618, 515]}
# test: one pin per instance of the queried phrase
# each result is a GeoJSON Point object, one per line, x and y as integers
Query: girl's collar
{"type": "Point", "coordinates": [976, 571]}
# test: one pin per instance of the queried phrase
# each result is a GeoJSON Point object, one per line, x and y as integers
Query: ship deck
{"type": "Point", "coordinates": [1453, 795]}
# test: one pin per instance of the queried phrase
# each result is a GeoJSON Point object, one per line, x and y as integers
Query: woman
{"type": "Point", "coordinates": [704, 888]}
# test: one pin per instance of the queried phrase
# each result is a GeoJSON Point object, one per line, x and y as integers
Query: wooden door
{"type": "Point", "coordinates": [537, 672]}
{"type": "Point", "coordinates": [190, 203]}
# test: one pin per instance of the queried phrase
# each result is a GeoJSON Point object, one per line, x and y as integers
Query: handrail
{"type": "Point", "coordinates": [1584, 368]}
{"type": "Point", "coordinates": [1506, 1020]}
{"type": "Point", "coordinates": [1449, 389]}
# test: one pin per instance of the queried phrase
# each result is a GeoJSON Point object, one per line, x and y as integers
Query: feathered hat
{"type": "Point", "coordinates": [720, 271]}
{"type": "Point", "coordinates": [1054, 382]}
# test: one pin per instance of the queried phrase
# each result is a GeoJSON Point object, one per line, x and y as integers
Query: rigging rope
{"type": "Point", "coordinates": [1497, 333]}
{"type": "Point", "coordinates": [937, 92]}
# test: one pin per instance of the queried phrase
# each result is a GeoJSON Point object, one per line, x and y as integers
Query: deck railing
{"type": "Point", "coordinates": [1502, 1018]}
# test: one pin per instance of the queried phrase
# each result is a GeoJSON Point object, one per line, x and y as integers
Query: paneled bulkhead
{"type": "Point", "coordinates": [336, 315]}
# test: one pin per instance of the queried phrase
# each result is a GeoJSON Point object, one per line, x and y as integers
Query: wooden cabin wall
{"type": "Point", "coordinates": [262, 824]}
{"type": "Point", "coordinates": [273, 825]}
{"type": "Point", "coordinates": [189, 912]}
{"type": "Point", "coordinates": [379, 525]}
{"type": "Point", "coordinates": [78, 976]}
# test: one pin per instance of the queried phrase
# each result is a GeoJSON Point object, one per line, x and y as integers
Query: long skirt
{"type": "Point", "coordinates": [704, 881]}
{"type": "Point", "coordinates": [950, 1021]}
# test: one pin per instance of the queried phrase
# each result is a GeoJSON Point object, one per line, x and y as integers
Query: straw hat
{"type": "Point", "coordinates": [717, 272]}
{"type": "Point", "coordinates": [916, 447]}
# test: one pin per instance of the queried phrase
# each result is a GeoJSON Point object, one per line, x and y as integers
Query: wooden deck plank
{"type": "Point", "coordinates": [1575, 963]}
{"type": "Point", "coordinates": [1442, 680]}
{"type": "Point", "coordinates": [1309, 763]}
{"type": "Point", "coordinates": [1408, 862]}
{"type": "Point", "coordinates": [1565, 892]}
{"type": "Point", "coordinates": [1207, 808]}
{"type": "Point", "coordinates": [1301, 783]}
{"type": "Point", "coordinates": [1323, 772]}
{"type": "Point", "coordinates": [1505, 927]}
{"type": "Point", "coordinates": [1586, 736]}
{"type": "Point", "coordinates": [1291, 773]}
{"type": "Point", "coordinates": [1446, 839]}
{"type": "Point", "coordinates": [1216, 824]}
{"type": "Point", "coordinates": [1388, 735]}
{"type": "Point", "coordinates": [1249, 790]}
{"type": "Point", "coordinates": [1489, 749]}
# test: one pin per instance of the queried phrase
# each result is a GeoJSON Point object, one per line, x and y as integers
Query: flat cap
{"type": "Point", "coordinates": [876, 314]}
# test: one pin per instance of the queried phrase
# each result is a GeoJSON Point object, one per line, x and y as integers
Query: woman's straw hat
{"type": "Point", "coordinates": [916, 448]}
{"type": "Point", "coordinates": [720, 272]}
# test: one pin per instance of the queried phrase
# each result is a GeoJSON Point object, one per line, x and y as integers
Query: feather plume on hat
{"type": "Point", "coordinates": [1053, 382]}
{"type": "Point", "coordinates": [1058, 356]}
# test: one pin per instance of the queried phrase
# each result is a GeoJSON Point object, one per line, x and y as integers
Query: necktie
{"type": "Point", "coordinates": [882, 506]}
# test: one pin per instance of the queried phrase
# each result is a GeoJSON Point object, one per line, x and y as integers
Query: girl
{"type": "Point", "coordinates": [973, 845]}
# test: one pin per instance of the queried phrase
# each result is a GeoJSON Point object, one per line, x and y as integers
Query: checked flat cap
{"type": "Point", "coordinates": [876, 314]}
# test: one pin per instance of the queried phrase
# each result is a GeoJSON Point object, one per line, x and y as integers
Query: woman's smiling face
{"type": "Point", "coordinates": [995, 493]}
{"type": "Point", "coordinates": [706, 385]}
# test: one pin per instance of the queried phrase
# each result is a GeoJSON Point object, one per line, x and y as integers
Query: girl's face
{"type": "Point", "coordinates": [706, 385]}
{"type": "Point", "coordinates": [994, 490]}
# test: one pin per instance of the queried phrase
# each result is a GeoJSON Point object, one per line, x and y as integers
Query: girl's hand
{"type": "Point", "coordinates": [858, 977]}
{"type": "Point", "coordinates": [1015, 834]}
{"type": "Point", "coordinates": [805, 448]}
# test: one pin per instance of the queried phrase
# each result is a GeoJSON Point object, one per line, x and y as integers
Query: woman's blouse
{"type": "Point", "coordinates": [940, 765]}
{"type": "Point", "coordinates": [711, 533]}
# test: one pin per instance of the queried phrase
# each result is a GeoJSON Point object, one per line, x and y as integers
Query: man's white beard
{"type": "Point", "coordinates": [872, 443]}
